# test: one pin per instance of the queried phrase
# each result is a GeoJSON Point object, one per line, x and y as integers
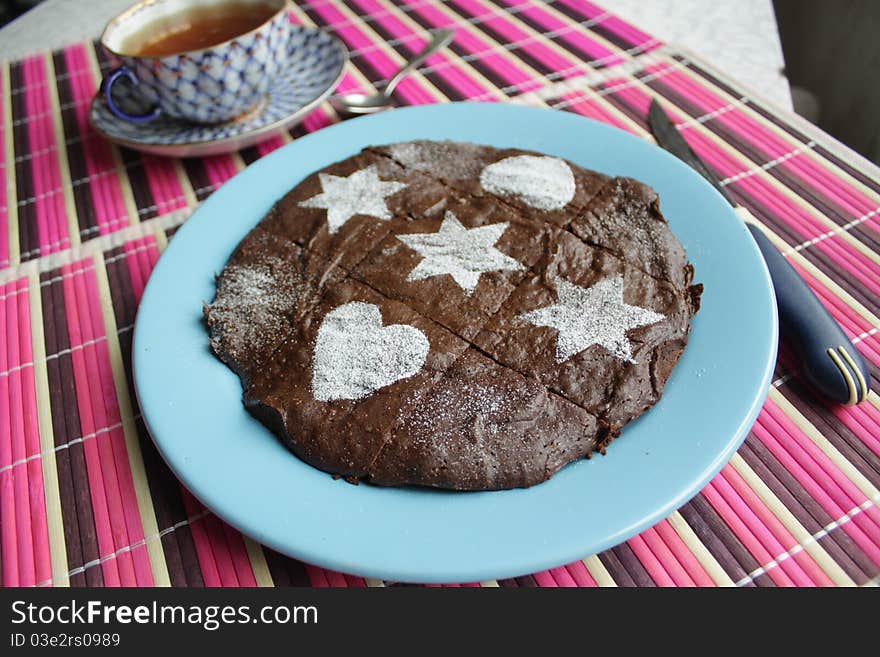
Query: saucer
{"type": "Point", "coordinates": [312, 71]}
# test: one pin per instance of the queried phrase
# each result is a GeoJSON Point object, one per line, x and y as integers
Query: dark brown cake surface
{"type": "Point", "coordinates": [454, 315]}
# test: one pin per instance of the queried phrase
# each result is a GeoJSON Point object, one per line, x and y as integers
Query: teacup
{"type": "Point", "coordinates": [202, 85]}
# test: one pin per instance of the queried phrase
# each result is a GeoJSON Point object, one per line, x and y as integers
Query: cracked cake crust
{"type": "Point", "coordinates": [491, 407]}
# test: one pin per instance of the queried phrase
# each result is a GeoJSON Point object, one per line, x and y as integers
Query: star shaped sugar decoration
{"type": "Point", "coordinates": [463, 253]}
{"type": "Point", "coordinates": [594, 315]}
{"type": "Point", "coordinates": [360, 193]}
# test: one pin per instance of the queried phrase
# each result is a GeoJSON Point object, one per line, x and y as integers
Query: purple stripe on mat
{"type": "Point", "coordinates": [635, 114]}
{"type": "Point", "coordinates": [719, 540]}
{"type": "Point", "coordinates": [866, 180]}
{"type": "Point", "coordinates": [526, 581]}
{"type": "Point", "coordinates": [298, 131]}
{"type": "Point", "coordinates": [140, 186]}
{"type": "Point", "coordinates": [502, 30]}
{"type": "Point", "coordinates": [249, 155]}
{"type": "Point", "coordinates": [392, 30]}
{"type": "Point", "coordinates": [198, 177]}
{"type": "Point", "coordinates": [286, 571]}
{"type": "Point", "coordinates": [612, 29]}
{"type": "Point", "coordinates": [616, 569]}
{"type": "Point", "coordinates": [841, 536]}
{"type": "Point", "coordinates": [82, 193]}
{"type": "Point", "coordinates": [564, 35]}
{"type": "Point", "coordinates": [54, 343]}
{"type": "Point", "coordinates": [853, 450]}
{"type": "Point", "coordinates": [803, 507]}
{"type": "Point", "coordinates": [756, 152]}
{"type": "Point", "coordinates": [123, 300]}
{"type": "Point", "coordinates": [633, 565]}
{"type": "Point", "coordinates": [76, 503]}
{"type": "Point", "coordinates": [499, 69]}
{"type": "Point", "coordinates": [773, 215]}
{"type": "Point", "coordinates": [28, 231]}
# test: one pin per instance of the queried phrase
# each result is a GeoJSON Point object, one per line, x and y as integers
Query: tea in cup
{"type": "Point", "coordinates": [204, 61]}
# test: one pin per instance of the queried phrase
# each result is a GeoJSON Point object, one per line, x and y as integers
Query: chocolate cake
{"type": "Point", "coordinates": [454, 315]}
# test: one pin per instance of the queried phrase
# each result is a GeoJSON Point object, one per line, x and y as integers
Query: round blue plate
{"type": "Point", "coordinates": [238, 469]}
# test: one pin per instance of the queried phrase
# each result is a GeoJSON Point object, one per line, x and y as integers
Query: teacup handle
{"type": "Point", "coordinates": [123, 72]}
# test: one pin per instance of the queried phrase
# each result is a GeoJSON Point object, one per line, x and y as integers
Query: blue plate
{"type": "Point", "coordinates": [237, 468]}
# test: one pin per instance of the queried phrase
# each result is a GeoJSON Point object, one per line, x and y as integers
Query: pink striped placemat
{"type": "Point", "coordinates": [86, 500]}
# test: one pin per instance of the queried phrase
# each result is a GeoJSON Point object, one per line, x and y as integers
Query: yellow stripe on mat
{"type": "Point", "coordinates": [754, 168]}
{"type": "Point", "coordinates": [258, 562]}
{"type": "Point", "coordinates": [161, 240]}
{"type": "Point", "coordinates": [700, 551]}
{"type": "Point", "coordinates": [874, 398]}
{"type": "Point", "coordinates": [392, 54]}
{"type": "Point", "coordinates": [821, 277]}
{"type": "Point", "coordinates": [499, 50]}
{"type": "Point", "coordinates": [186, 189]}
{"type": "Point", "coordinates": [256, 555]}
{"type": "Point", "coordinates": [591, 35]}
{"type": "Point", "coordinates": [842, 464]}
{"type": "Point", "coordinates": [588, 94]}
{"type": "Point", "coordinates": [768, 125]}
{"type": "Point", "coordinates": [810, 545]}
{"type": "Point", "coordinates": [598, 571]}
{"type": "Point", "coordinates": [417, 29]}
{"type": "Point", "coordinates": [350, 68]}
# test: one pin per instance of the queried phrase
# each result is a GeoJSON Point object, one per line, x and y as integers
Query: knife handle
{"type": "Point", "coordinates": [830, 362]}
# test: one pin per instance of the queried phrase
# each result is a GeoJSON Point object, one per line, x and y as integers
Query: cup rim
{"type": "Point", "coordinates": [126, 13]}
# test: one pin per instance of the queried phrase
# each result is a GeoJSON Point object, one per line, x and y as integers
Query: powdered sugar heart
{"type": "Point", "coordinates": [355, 355]}
{"type": "Point", "coordinates": [543, 182]}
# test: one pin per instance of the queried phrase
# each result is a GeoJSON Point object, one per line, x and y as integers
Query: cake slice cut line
{"type": "Point", "coordinates": [329, 264]}
{"type": "Point", "coordinates": [535, 269]}
{"type": "Point", "coordinates": [582, 210]}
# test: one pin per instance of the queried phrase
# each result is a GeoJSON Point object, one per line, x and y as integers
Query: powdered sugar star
{"type": "Point", "coordinates": [588, 316]}
{"type": "Point", "coordinates": [360, 193]}
{"type": "Point", "coordinates": [463, 253]}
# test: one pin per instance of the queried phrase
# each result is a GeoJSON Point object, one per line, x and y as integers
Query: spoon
{"type": "Point", "coordinates": [370, 103]}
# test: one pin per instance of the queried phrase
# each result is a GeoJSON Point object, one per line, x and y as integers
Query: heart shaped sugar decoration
{"type": "Point", "coordinates": [355, 355]}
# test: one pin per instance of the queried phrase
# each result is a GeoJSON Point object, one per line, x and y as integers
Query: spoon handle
{"type": "Point", "coordinates": [440, 40]}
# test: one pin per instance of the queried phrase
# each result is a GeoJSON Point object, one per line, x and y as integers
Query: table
{"type": "Point", "coordinates": [739, 37]}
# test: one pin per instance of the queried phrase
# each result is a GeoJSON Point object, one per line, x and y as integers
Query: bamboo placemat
{"type": "Point", "coordinates": [86, 500]}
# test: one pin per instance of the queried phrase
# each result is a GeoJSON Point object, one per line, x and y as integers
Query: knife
{"type": "Point", "coordinates": [829, 361]}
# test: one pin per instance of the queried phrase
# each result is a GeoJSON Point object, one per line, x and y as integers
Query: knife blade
{"type": "Point", "coordinates": [828, 359]}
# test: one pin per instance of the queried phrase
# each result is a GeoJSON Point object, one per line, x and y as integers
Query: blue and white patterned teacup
{"type": "Point", "coordinates": [203, 86]}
